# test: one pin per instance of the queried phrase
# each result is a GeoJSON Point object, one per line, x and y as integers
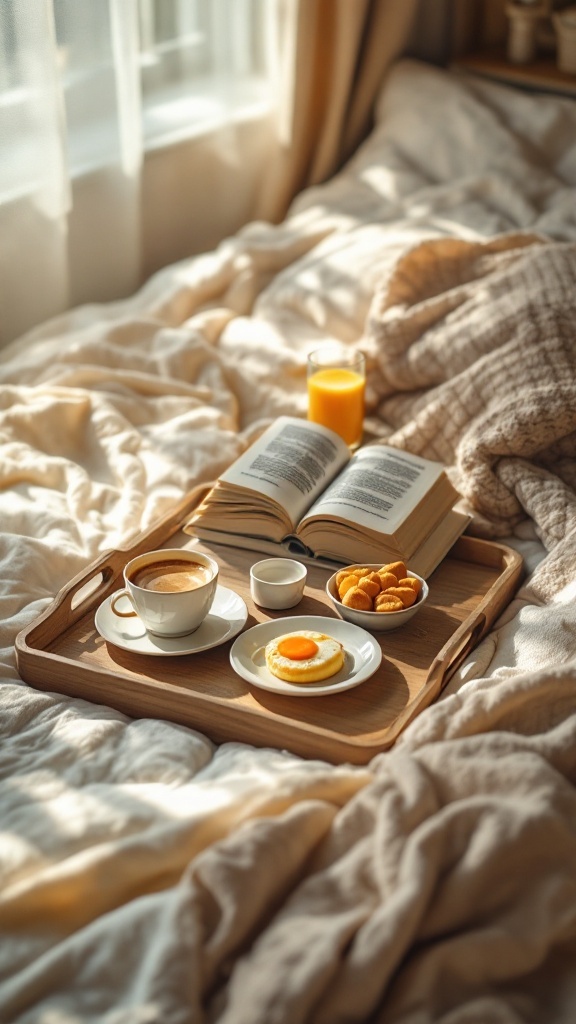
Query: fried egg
{"type": "Point", "coordinates": [304, 657]}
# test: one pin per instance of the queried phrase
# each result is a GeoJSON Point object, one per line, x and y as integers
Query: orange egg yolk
{"type": "Point", "coordinates": [297, 648]}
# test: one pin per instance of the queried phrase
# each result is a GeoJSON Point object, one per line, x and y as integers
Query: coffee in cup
{"type": "Point", "coordinates": [173, 576]}
{"type": "Point", "coordinates": [171, 590]}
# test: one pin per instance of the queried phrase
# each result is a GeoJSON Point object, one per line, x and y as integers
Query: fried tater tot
{"type": "Point", "coordinates": [387, 579]}
{"type": "Point", "coordinates": [406, 595]}
{"type": "Point", "coordinates": [342, 576]}
{"type": "Point", "coordinates": [347, 582]}
{"type": "Point", "coordinates": [386, 602]}
{"type": "Point", "coordinates": [370, 584]}
{"type": "Point", "coordinates": [398, 569]}
{"type": "Point", "coordinates": [359, 599]}
{"type": "Point", "coordinates": [411, 581]}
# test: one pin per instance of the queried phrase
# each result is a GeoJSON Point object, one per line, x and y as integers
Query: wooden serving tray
{"type": "Point", "coordinates": [62, 651]}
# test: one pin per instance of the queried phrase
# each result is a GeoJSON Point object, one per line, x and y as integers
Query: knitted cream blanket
{"type": "Point", "coordinates": [475, 345]}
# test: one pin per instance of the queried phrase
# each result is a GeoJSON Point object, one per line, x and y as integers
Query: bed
{"type": "Point", "coordinates": [151, 875]}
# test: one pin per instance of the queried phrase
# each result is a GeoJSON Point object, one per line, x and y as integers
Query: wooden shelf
{"type": "Point", "coordinates": [541, 75]}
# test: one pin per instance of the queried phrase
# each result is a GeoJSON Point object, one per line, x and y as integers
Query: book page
{"type": "Point", "coordinates": [292, 462]}
{"type": "Point", "coordinates": [378, 488]}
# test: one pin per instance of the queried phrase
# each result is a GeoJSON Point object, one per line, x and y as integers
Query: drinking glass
{"type": "Point", "coordinates": [336, 382]}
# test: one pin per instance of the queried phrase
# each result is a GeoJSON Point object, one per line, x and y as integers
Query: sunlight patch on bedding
{"type": "Point", "coordinates": [188, 801]}
{"type": "Point", "coordinates": [13, 502]}
{"type": "Point", "coordinates": [382, 180]}
{"type": "Point", "coordinates": [567, 595]}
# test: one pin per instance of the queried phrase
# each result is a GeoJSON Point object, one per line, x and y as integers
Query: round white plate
{"type": "Point", "coordinates": [363, 655]}
{"type": "Point", "coordinates": [225, 619]}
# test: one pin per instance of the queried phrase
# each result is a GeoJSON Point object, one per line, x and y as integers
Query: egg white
{"type": "Point", "coordinates": [327, 660]}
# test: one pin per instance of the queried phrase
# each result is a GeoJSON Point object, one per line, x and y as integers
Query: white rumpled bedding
{"type": "Point", "coordinates": [148, 876]}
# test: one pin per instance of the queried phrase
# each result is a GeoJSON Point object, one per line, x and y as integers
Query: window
{"type": "Point", "coordinates": [183, 39]}
{"type": "Point", "coordinates": [89, 89]}
{"type": "Point", "coordinates": [201, 61]}
{"type": "Point", "coordinates": [131, 74]}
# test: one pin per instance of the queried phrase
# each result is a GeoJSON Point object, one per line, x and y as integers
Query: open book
{"type": "Point", "coordinates": [297, 490]}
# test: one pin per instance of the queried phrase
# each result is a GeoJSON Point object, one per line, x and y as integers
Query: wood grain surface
{"type": "Point", "coordinates": [62, 651]}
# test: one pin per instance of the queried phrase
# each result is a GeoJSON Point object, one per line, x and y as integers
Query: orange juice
{"type": "Point", "coordinates": [336, 400]}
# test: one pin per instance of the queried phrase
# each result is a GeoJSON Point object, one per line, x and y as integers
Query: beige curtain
{"type": "Point", "coordinates": [335, 54]}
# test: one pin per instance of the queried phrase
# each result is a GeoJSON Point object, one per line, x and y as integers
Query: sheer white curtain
{"type": "Point", "coordinates": [134, 133]}
{"type": "Point", "coordinates": [90, 92]}
{"type": "Point", "coordinates": [69, 111]}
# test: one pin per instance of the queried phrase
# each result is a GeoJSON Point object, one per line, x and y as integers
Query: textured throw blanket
{"type": "Point", "coordinates": [475, 347]}
{"type": "Point", "coordinates": [149, 877]}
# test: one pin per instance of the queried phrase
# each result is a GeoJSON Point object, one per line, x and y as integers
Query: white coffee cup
{"type": "Point", "coordinates": [171, 590]}
{"type": "Point", "coordinates": [277, 582]}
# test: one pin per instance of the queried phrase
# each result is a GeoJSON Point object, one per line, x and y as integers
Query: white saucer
{"type": "Point", "coordinates": [225, 619]}
{"type": "Point", "coordinates": [363, 655]}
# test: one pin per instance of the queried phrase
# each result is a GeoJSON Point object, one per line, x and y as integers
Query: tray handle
{"type": "Point", "coordinates": [86, 590]}
{"type": "Point", "coordinates": [454, 652]}
{"type": "Point", "coordinates": [448, 659]}
{"type": "Point", "coordinates": [78, 597]}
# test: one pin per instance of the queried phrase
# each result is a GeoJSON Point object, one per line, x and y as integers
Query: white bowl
{"type": "Point", "coordinates": [375, 622]}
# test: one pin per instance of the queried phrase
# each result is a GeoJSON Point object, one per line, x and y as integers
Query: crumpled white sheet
{"type": "Point", "coordinates": [147, 875]}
